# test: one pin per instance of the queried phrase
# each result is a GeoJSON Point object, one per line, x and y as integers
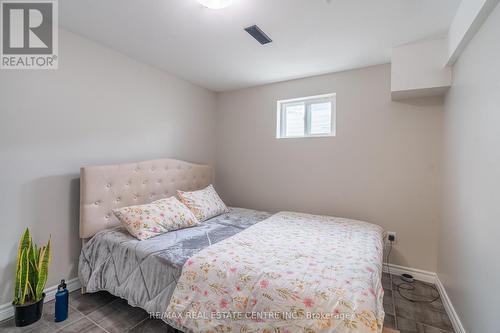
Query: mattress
{"type": "Point", "coordinates": [145, 273]}
{"type": "Point", "coordinates": [248, 271]}
{"type": "Point", "coordinates": [292, 272]}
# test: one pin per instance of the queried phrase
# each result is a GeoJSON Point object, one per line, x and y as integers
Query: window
{"type": "Point", "coordinates": [306, 117]}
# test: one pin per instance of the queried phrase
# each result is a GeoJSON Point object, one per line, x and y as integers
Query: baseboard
{"type": "Point", "coordinates": [455, 320]}
{"type": "Point", "coordinates": [421, 275]}
{"type": "Point", "coordinates": [431, 277]}
{"type": "Point", "coordinates": [7, 310]}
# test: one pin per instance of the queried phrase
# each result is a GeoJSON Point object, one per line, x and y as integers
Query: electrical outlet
{"type": "Point", "coordinates": [391, 236]}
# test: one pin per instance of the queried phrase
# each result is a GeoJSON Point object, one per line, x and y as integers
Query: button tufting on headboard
{"type": "Point", "coordinates": [104, 188]}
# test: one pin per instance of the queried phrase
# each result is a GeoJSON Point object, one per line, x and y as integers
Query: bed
{"type": "Point", "coordinates": [242, 271]}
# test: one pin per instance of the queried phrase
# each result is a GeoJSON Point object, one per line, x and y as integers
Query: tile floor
{"type": "Point", "coordinates": [102, 312]}
{"type": "Point", "coordinates": [414, 317]}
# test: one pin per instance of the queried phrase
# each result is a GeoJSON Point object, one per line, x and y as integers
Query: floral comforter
{"type": "Point", "coordinates": [289, 273]}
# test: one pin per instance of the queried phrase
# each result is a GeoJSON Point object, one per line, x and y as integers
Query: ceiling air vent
{"type": "Point", "coordinates": [258, 34]}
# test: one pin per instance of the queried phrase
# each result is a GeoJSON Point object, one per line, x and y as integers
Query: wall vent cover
{"type": "Point", "coordinates": [258, 34]}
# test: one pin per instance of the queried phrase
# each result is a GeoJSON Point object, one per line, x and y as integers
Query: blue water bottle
{"type": "Point", "coordinates": [62, 296]}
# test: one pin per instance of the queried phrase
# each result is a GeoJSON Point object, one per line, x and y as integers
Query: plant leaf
{"type": "Point", "coordinates": [24, 243]}
{"type": "Point", "coordinates": [36, 252]}
{"type": "Point", "coordinates": [30, 289]}
{"type": "Point", "coordinates": [33, 271]}
{"type": "Point", "coordinates": [43, 269]}
{"type": "Point", "coordinates": [23, 276]}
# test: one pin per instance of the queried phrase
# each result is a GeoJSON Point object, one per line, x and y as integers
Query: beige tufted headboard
{"type": "Point", "coordinates": [103, 188]}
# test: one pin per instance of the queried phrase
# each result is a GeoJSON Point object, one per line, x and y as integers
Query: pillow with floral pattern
{"type": "Point", "coordinates": [156, 218]}
{"type": "Point", "coordinates": [205, 203]}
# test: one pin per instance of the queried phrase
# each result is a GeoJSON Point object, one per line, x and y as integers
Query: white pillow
{"type": "Point", "coordinates": [205, 203]}
{"type": "Point", "coordinates": [156, 218]}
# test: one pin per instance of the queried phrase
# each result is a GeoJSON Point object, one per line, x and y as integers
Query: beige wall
{"type": "Point", "coordinates": [468, 263]}
{"type": "Point", "coordinates": [382, 167]}
{"type": "Point", "coordinates": [99, 107]}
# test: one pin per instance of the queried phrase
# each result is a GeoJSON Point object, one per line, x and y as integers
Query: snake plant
{"type": "Point", "coordinates": [31, 270]}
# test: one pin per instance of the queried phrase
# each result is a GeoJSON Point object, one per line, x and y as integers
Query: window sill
{"type": "Point", "coordinates": [306, 136]}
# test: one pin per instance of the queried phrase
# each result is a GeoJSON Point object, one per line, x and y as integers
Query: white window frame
{"type": "Point", "coordinates": [307, 101]}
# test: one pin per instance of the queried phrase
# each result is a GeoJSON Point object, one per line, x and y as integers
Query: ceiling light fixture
{"type": "Point", "coordinates": [215, 4]}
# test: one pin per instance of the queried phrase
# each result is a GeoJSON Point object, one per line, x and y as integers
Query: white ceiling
{"type": "Point", "coordinates": [210, 48]}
